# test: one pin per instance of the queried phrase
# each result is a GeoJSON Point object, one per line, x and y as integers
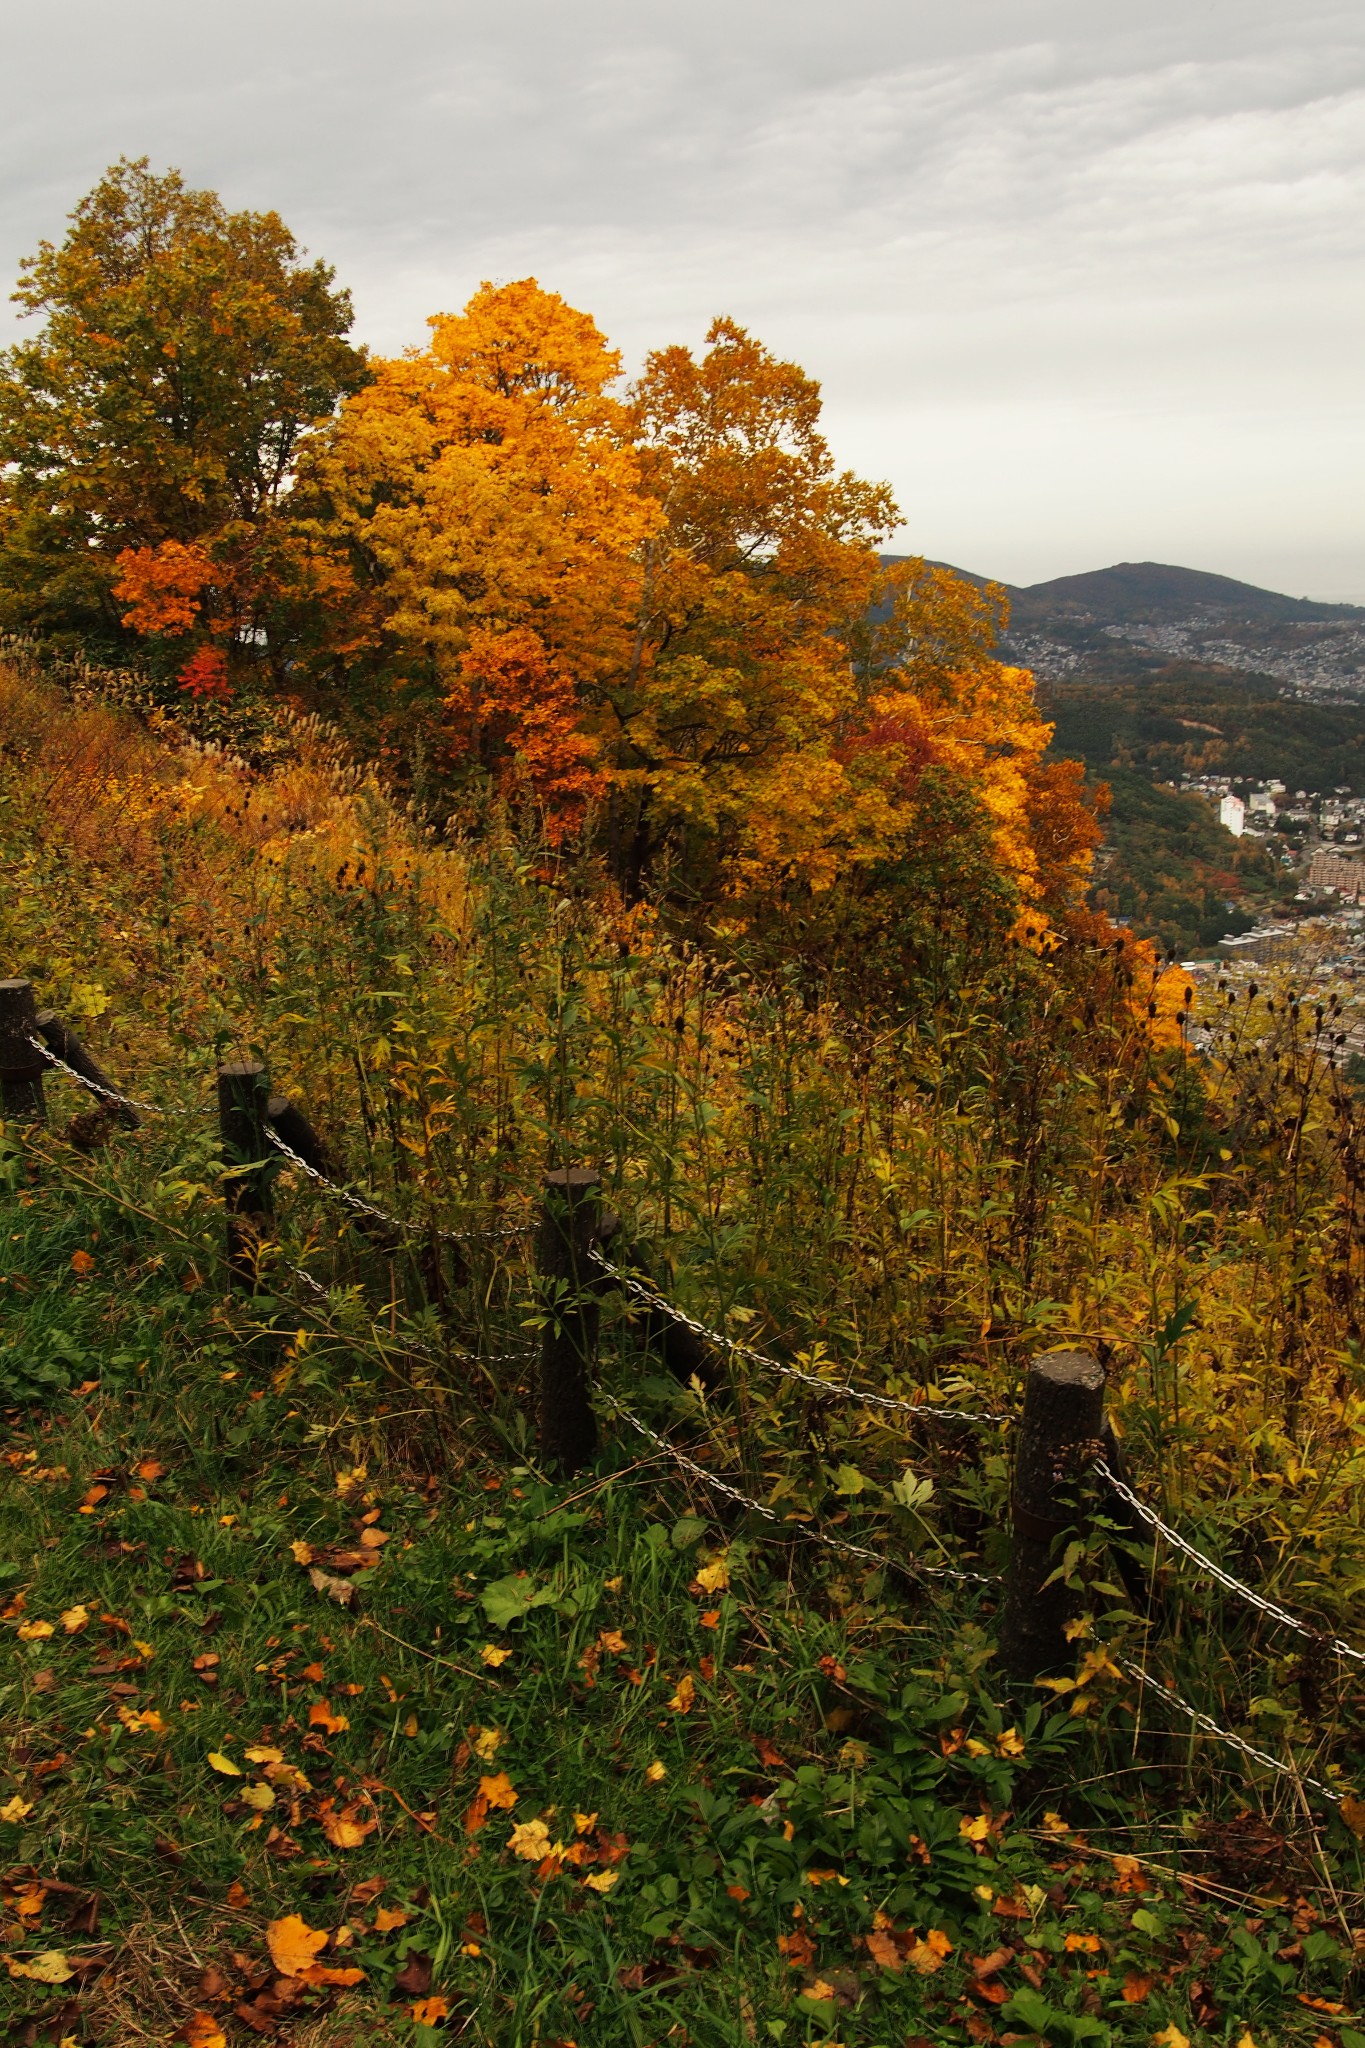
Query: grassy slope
{"type": "Point", "coordinates": [163, 1494]}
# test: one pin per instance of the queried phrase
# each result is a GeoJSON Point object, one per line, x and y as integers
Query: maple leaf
{"type": "Point", "coordinates": [238, 1895]}
{"type": "Point", "coordinates": [340, 1590]}
{"type": "Point", "coordinates": [531, 1842]}
{"type": "Point", "coordinates": [499, 1791]}
{"type": "Point", "coordinates": [81, 1262]}
{"type": "Point", "coordinates": [1136, 1988]}
{"type": "Point", "coordinates": [684, 1698]}
{"type": "Point", "coordinates": [1010, 1743]}
{"type": "Point", "coordinates": [487, 1742]}
{"type": "Point", "coordinates": [15, 1809]}
{"type": "Point", "coordinates": [427, 2011]}
{"type": "Point", "coordinates": [798, 1948]}
{"type": "Point", "coordinates": [304, 1553]}
{"type": "Point", "coordinates": [584, 1822]}
{"type": "Point", "coordinates": [320, 1715]}
{"type": "Point", "coordinates": [219, 1762]}
{"type": "Point", "coordinates": [387, 1918]}
{"type": "Point", "coordinates": [710, 1617]}
{"type": "Point", "coordinates": [1083, 1944]}
{"type": "Point", "coordinates": [491, 1655]}
{"type": "Point", "coordinates": [601, 1880]}
{"type": "Point", "coordinates": [714, 1577]}
{"type": "Point", "coordinates": [974, 1829]}
{"type": "Point", "coordinates": [1171, 2037]}
{"type": "Point", "coordinates": [612, 1640]}
{"type": "Point", "coordinates": [930, 1954]}
{"type": "Point", "coordinates": [293, 1944]}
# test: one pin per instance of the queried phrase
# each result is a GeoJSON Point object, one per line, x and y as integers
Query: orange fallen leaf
{"type": "Point", "coordinates": [427, 2011]}
{"type": "Point", "coordinates": [611, 1639]}
{"type": "Point", "coordinates": [930, 1954]}
{"type": "Point", "coordinates": [320, 1715]}
{"type": "Point", "coordinates": [74, 1619]}
{"type": "Point", "coordinates": [151, 1469]}
{"type": "Point", "coordinates": [798, 1948]}
{"type": "Point", "coordinates": [35, 1631]}
{"type": "Point", "coordinates": [238, 1895]}
{"type": "Point", "coordinates": [1136, 1988]}
{"type": "Point", "coordinates": [293, 1944]}
{"type": "Point", "coordinates": [81, 1262]}
{"type": "Point", "coordinates": [883, 1951]}
{"type": "Point", "coordinates": [684, 1698]}
{"type": "Point", "coordinates": [324, 1973]}
{"type": "Point", "coordinates": [201, 2030]}
{"type": "Point", "coordinates": [710, 1617]}
{"type": "Point", "coordinates": [313, 1673]}
{"type": "Point", "coordinates": [343, 1829]}
{"type": "Point", "coordinates": [1083, 1944]}
{"type": "Point", "coordinates": [387, 1918]}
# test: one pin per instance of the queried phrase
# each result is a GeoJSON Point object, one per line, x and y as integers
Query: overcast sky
{"type": "Point", "coordinates": [1082, 279]}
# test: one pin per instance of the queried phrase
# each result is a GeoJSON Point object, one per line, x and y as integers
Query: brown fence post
{"type": "Point", "coordinates": [1060, 1434]}
{"type": "Point", "coordinates": [60, 1039]}
{"type": "Point", "coordinates": [21, 1067]}
{"type": "Point", "coordinates": [243, 1092]}
{"type": "Point", "coordinates": [570, 1223]}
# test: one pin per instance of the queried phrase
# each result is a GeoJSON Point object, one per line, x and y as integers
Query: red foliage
{"type": "Point", "coordinates": [205, 675]}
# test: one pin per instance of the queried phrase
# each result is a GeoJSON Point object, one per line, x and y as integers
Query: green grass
{"type": "Point", "coordinates": [167, 1448]}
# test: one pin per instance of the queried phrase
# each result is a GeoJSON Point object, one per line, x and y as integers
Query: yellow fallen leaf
{"type": "Point", "coordinates": [303, 1552]}
{"type": "Point", "coordinates": [930, 1954]}
{"type": "Point", "coordinates": [498, 1791]}
{"type": "Point", "coordinates": [714, 1577]}
{"type": "Point", "coordinates": [34, 1631]}
{"type": "Point", "coordinates": [655, 1773]}
{"type": "Point", "coordinates": [293, 1944]}
{"type": "Point", "coordinates": [147, 1722]}
{"type": "Point", "coordinates": [259, 1798]}
{"type": "Point", "coordinates": [487, 1743]}
{"type": "Point", "coordinates": [75, 1619]}
{"type": "Point", "coordinates": [531, 1841]}
{"type": "Point", "coordinates": [975, 1829]}
{"type": "Point", "coordinates": [1171, 2037]}
{"type": "Point", "coordinates": [15, 1809]}
{"type": "Point", "coordinates": [493, 1656]}
{"type": "Point", "coordinates": [601, 1880]}
{"type": "Point", "coordinates": [819, 1989]}
{"type": "Point", "coordinates": [1352, 1811]}
{"type": "Point", "coordinates": [386, 1918]}
{"type": "Point", "coordinates": [344, 1830]}
{"type": "Point", "coordinates": [49, 1968]}
{"type": "Point", "coordinates": [263, 1753]}
{"type": "Point", "coordinates": [684, 1698]}
{"type": "Point", "coordinates": [583, 1821]}
{"type": "Point", "coordinates": [1011, 1743]}
{"type": "Point", "coordinates": [427, 2011]}
{"type": "Point", "coordinates": [219, 1762]}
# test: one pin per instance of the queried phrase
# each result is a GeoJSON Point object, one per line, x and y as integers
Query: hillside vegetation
{"type": "Point", "coordinates": [638, 836]}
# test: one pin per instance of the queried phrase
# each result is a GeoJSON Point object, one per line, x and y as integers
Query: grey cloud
{"type": "Point", "coordinates": [1082, 281]}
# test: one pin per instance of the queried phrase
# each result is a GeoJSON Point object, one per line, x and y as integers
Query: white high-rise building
{"type": "Point", "coordinates": [1232, 812]}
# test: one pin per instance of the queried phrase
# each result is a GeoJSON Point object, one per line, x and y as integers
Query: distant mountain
{"type": "Point", "coordinates": [1136, 618]}
{"type": "Point", "coordinates": [1158, 594]}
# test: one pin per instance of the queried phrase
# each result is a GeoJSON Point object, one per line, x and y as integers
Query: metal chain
{"type": "Point", "coordinates": [1211, 1727]}
{"type": "Point", "coordinates": [107, 1094]}
{"type": "Point", "coordinates": [362, 1207]}
{"type": "Point", "coordinates": [316, 1288]}
{"type": "Point", "coordinates": [919, 1409]}
{"type": "Point", "coordinates": [754, 1507]}
{"type": "Point", "coordinates": [1223, 1578]}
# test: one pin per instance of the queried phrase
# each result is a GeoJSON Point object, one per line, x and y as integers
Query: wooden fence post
{"type": "Point", "coordinates": [570, 1224]}
{"type": "Point", "coordinates": [21, 1068]}
{"type": "Point", "coordinates": [1060, 1433]}
{"type": "Point", "coordinates": [62, 1040]}
{"type": "Point", "coordinates": [243, 1092]}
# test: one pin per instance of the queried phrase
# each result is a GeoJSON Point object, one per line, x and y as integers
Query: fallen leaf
{"type": "Point", "coordinates": [530, 1840]}
{"type": "Point", "coordinates": [304, 1553]}
{"type": "Point", "coordinates": [612, 1640]}
{"type": "Point", "coordinates": [427, 2011]}
{"type": "Point", "coordinates": [387, 1918]}
{"type": "Point", "coordinates": [1010, 1743]}
{"type": "Point", "coordinates": [601, 1880]}
{"type": "Point", "coordinates": [219, 1762]}
{"type": "Point", "coordinates": [51, 1967]}
{"type": "Point", "coordinates": [975, 1828]}
{"type": "Point", "coordinates": [151, 1469]}
{"type": "Point", "coordinates": [415, 1976]}
{"type": "Point", "coordinates": [75, 1619]}
{"type": "Point", "coordinates": [238, 1895]}
{"type": "Point", "coordinates": [263, 1753]}
{"type": "Point", "coordinates": [320, 1715]}
{"type": "Point", "coordinates": [1352, 1811]}
{"type": "Point", "coordinates": [14, 1810]}
{"type": "Point", "coordinates": [373, 1539]}
{"type": "Point", "coordinates": [293, 1944]}
{"type": "Point", "coordinates": [34, 1631]}
{"type": "Point", "coordinates": [260, 1798]}
{"type": "Point", "coordinates": [798, 1948]}
{"type": "Point", "coordinates": [81, 1262]}
{"type": "Point", "coordinates": [1171, 2037]}
{"type": "Point", "coordinates": [326, 1973]}
{"type": "Point", "coordinates": [491, 1655]}
{"type": "Point", "coordinates": [1137, 1988]}
{"type": "Point", "coordinates": [714, 1577]}
{"type": "Point", "coordinates": [710, 1617]}
{"type": "Point", "coordinates": [343, 1829]}
{"type": "Point", "coordinates": [684, 1698]}
{"type": "Point", "coordinates": [883, 1951]}
{"type": "Point", "coordinates": [1083, 1944]}
{"type": "Point", "coordinates": [655, 1773]}
{"type": "Point", "coordinates": [930, 1954]}
{"type": "Point", "coordinates": [487, 1743]}
{"type": "Point", "coordinates": [583, 1823]}
{"type": "Point", "coordinates": [201, 2030]}
{"type": "Point", "coordinates": [340, 1590]}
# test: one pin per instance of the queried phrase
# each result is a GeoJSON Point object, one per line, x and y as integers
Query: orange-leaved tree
{"type": "Point", "coordinates": [151, 430]}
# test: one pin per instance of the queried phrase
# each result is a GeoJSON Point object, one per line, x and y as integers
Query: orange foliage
{"type": "Point", "coordinates": [515, 708]}
{"type": "Point", "coordinates": [161, 588]}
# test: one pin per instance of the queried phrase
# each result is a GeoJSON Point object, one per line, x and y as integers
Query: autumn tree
{"type": "Point", "coordinates": [150, 431]}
